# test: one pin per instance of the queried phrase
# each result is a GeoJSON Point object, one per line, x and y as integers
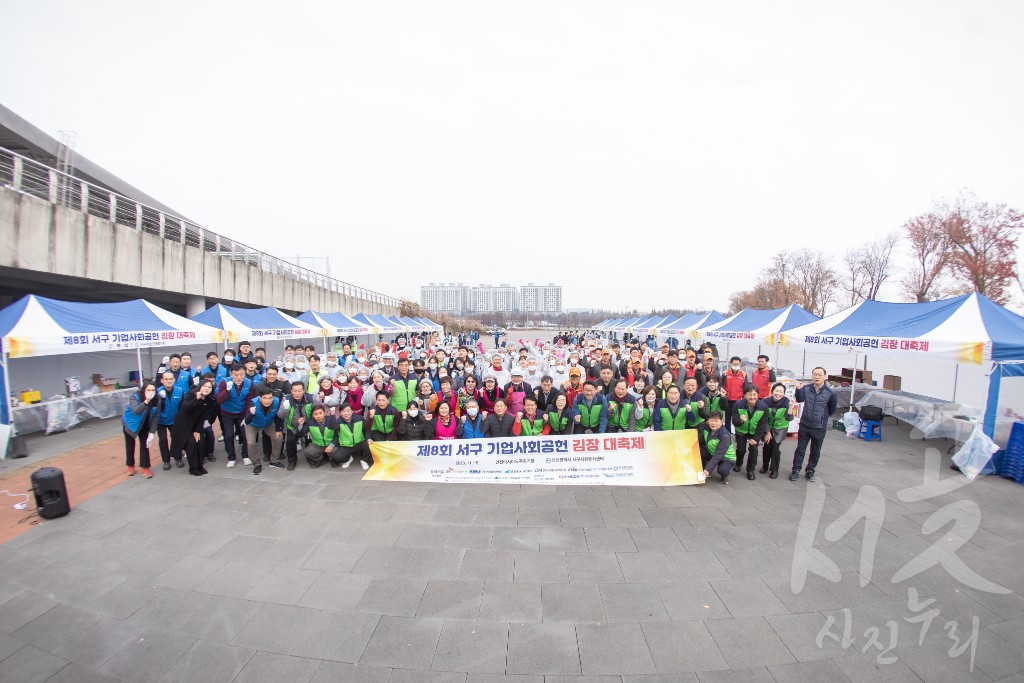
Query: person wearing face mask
{"type": "Point", "coordinates": [139, 422]}
{"type": "Point", "coordinates": [290, 373]}
{"type": "Point", "coordinates": [442, 373]}
{"type": "Point", "coordinates": [414, 425]}
{"type": "Point", "coordinates": [471, 424]}
{"type": "Point", "coordinates": [533, 372]}
{"type": "Point", "coordinates": [224, 369]}
{"type": "Point", "coordinates": [559, 372]}
{"type": "Point", "coordinates": [646, 405]}
{"type": "Point", "coordinates": [331, 366]}
{"type": "Point", "coordinates": [733, 382]}
{"type": "Point", "coordinates": [516, 391]}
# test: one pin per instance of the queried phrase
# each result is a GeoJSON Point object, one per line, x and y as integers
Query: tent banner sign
{"type": "Point", "coordinates": [622, 459]}
{"type": "Point", "coordinates": [22, 347]}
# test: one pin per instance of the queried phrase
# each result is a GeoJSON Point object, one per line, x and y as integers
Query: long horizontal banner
{"type": "Point", "coordinates": [625, 459]}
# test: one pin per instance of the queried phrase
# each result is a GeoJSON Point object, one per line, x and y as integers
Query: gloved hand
{"type": "Point", "coordinates": [149, 439]}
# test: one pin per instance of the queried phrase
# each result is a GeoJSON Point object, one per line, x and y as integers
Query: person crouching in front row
{"type": "Point", "coordinates": [717, 450]}
{"type": "Point", "coordinates": [322, 431]}
{"type": "Point", "coordinates": [351, 439]}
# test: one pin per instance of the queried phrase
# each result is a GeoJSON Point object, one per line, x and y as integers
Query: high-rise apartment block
{"type": "Point", "coordinates": [459, 299]}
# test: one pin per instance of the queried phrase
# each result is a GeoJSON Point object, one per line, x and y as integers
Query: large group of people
{"type": "Point", "coordinates": [304, 407]}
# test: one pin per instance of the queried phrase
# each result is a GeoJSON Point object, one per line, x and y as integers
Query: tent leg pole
{"type": "Point", "coordinates": [138, 357]}
{"type": "Point", "coordinates": [7, 395]}
{"type": "Point", "coordinates": [803, 370]}
{"type": "Point", "coordinates": [956, 377]}
{"type": "Point", "coordinates": [853, 380]}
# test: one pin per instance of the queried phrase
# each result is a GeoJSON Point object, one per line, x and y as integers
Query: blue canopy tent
{"type": "Point", "coordinates": [378, 324]}
{"type": "Point", "coordinates": [255, 324]}
{"type": "Point", "coordinates": [686, 325]}
{"type": "Point", "coordinates": [969, 329]}
{"type": "Point", "coordinates": [753, 324]}
{"type": "Point", "coordinates": [430, 325]}
{"type": "Point", "coordinates": [413, 324]}
{"type": "Point", "coordinates": [333, 324]}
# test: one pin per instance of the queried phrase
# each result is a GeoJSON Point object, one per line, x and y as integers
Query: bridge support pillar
{"type": "Point", "coordinates": [194, 305]}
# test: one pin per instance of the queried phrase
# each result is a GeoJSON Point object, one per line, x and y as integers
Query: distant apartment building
{"type": "Point", "coordinates": [459, 299]}
{"type": "Point", "coordinates": [445, 298]}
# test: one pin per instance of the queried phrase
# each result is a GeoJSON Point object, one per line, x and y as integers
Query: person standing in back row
{"type": "Point", "coordinates": [819, 403]}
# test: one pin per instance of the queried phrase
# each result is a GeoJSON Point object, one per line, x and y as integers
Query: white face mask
{"type": "Point", "coordinates": [735, 368]}
{"type": "Point", "coordinates": [229, 359]}
{"type": "Point", "coordinates": [573, 361]}
{"type": "Point", "coordinates": [472, 412]}
{"type": "Point", "coordinates": [432, 366]}
{"type": "Point", "coordinates": [413, 412]}
{"type": "Point", "coordinates": [560, 367]}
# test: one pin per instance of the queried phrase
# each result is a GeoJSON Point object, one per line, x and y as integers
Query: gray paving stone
{"type": "Point", "coordinates": [30, 665]}
{"type": "Point", "coordinates": [336, 591]}
{"type": "Point", "coordinates": [748, 642]}
{"type": "Point", "coordinates": [328, 555]}
{"type": "Point", "coordinates": [337, 636]}
{"type": "Point", "coordinates": [862, 668]}
{"type": "Point", "coordinates": [613, 649]}
{"type": "Point", "coordinates": [332, 672]}
{"type": "Point", "coordinates": [700, 565]}
{"type": "Point", "coordinates": [515, 538]}
{"type": "Point", "coordinates": [454, 514]}
{"type": "Point", "coordinates": [542, 567]}
{"type": "Point", "coordinates": [409, 676]}
{"type": "Point", "coordinates": [542, 649]}
{"type": "Point", "coordinates": [219, 619]}
{"type": "Point", "coordinates": [477, 646]}
{"type": "Point", "coordinates": [646, 567]}
{"type": "Point", "coordinates": [593, 568]}
{"type": "Point", "coordinates": [451, 599]}
{"type": "Point", "coordinates": [518, 602]}
{"type": "Point", "coordinates": [684, 646]}
{"type": "Point", "coordinates": [806, 672]}
{"type": "Point", "coordinates": [403, 643]}
{"type": "Point", "coordinates": [664, 517]}
{"type": "Point", "coordinates": [748, 598]}
{"type": "Point", "coordinates": [23, 608]}
{"type": "Point", "coordinates": [539, 517]}
{"type": "Point", "coordinates": [76, 635]}
{"type": "Point", "coordinates": [700, 537]}
{"type": "Point", "coordinates": [276, 628]}
{"type": "Point", "coordinates": [488, 565]}
{"type": "Point", "coordinates": [435, 563]}
{"type": "Point", "coordinates": [655, 540]}
{"type": "Point", "coordinates": [231, 580]}
{"type": "Point", "coordinates": [752, 675]}
{"type": "Point", "coordinates": [800, 634]}
{"type": "Point", "coordinates": [9, 645]}
{"type": "Point", "coordinates": [208, 662]}
{"type": "Point", "coordinates": [563, 539]}
{"type": "Point", "coordinates": [392, 595]}
{"type": "Point", "coordinates": [610, 540]}
{"type": "Point", "coordinates": [503, 678]}
{"type": "Point", "coordinates": [581, 518]}
{"type": "Point", "coordinates": [73, 673]}
{"type": "Point", "coordinates": [574, 602]}
{"type": "Point", "coordinates": [692, 601]}
{"type": "Point", "coordinates": [468, 537]}
{"type": "Point", "coordinates": [267, 667]}
{"type": "Point", "coordinates": [632, 602]}
{"type": "Point", "coordinates": [189, 572]}
{"type": "Point", "coordinates": [384, 561]}
{"type": "Point", "coordinates": [622, 518]}
{"type": "Point", "coordinates": [496, 516]}
{"type": "Point", "coordinates": [147, 657]}
{"type": "Point", "coordinates": [661, 678]}
{"type": "Point", "coordinates": [422, 536]}
{"type": "Point", "coordinates": [746, 563]}
{"type": "Point", "coordinates": [284, 586]}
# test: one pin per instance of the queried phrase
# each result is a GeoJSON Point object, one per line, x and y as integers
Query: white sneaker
{"type": "Point", "coordinates": [231, 463]}
{"type": "Point", "coordinates": [247, 461]}
{"type": "Point", "coordinates": [348, 462]}
{"type": "Point", "coordinates": [364, 465]}
{"type": "Point", "coordinates": [220, 438]}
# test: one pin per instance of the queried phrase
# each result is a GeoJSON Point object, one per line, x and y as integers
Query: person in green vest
{"type": "Point", "coordinates": [645, 409]}
{"type": "Point", "coordinates": [352, 444]}
{"type": "Point", "coordinates": [384, 420]}
{"type": "Point", "coordinates": [779, 416]}
{"type": "Point", "coordinates": [529, 422]}
{"type": "Point", "coordinates": [713, 395]}
{"type": "Point", "coordinates": [670, 413]}
{"type": "Point", "coordinates": [621, 408]}
{"type": "Point", "coordinates": [404, 386]}
{"type": "Point", "coordinates": [559, 416]}
{"type": "Point", "coordinates": [749, 418]}
{"type": "Point", "coordinates": [590, 411]}
{"type": "Point", "coordinates": [315, 373]}
{"type": "Point", "coordinates": [717, 450]}
{"type": "Point", "coordinates": [322, 431]}
{"type": "Point", "coordinates": [694, 404]}
{"type": "Point", "coordinates": [296, 409]}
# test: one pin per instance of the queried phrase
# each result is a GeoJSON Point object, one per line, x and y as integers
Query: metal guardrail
{"type": "Point", "coordinates": [30, 177]}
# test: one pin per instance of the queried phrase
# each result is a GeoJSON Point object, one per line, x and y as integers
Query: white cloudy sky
{"type": "Point", "coordinates": [643, 154]}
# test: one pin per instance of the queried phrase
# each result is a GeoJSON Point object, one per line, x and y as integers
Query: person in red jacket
{"type": "Point", "coordinates": [763, 378]}
{"type": "Point", "coordinates": [530, 422]}
{"type": "Point", "coordinates": [733, 382]}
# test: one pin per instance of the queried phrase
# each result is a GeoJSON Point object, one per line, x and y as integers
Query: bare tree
{"type": "Point", "coordinates": [983, 238]}
{"type": "Point", "coordinates": [868, 267]}
{"type": "Point", "coordinates": [929, 255]}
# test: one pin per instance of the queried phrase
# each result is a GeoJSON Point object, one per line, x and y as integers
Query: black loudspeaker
{"type": "Point", "coordinates": [51, 493]}
{"type": "Point", "coordinates": [869, 412]}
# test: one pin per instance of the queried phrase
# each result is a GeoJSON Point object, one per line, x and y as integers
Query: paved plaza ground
{"type": "Point", "coordinates": [315, 575]}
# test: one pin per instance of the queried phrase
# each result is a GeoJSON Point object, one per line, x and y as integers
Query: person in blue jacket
{"type": "Point", "coordinates": [139, 421]}
{"type": "Point", "coordinates": [171, 396]}
{"type": "Point", "coordinates": [234, 395]}
{"type": "Point", "coordinates": [819, 402]}
{"type": "Point", "coordinates": [186, 376]}
{"type": "Point", "coordinates": [262, 419]}
{"type": "Point", "coordinates": [471, 423]}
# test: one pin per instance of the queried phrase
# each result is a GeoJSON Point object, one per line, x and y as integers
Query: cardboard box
{"type": "Point", "coordinates": [31, 396]}
{"type": "Point", "coordinates": [104, 383]}
{"type": "Point", "coordinates": [892, 382]}
{"type": "Point", "coordinates": [863, 376]}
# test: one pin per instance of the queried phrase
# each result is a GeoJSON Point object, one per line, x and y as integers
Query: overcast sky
{"type": "Point", "coordinates": [642, 154]}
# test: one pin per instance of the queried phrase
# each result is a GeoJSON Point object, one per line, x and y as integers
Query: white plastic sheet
{"type": "Point", "coordinates": [975, 454]}
{"type": "Point", "coordinates": [934, 417]}
{"type": "Point", "coordinates": [63, 414]}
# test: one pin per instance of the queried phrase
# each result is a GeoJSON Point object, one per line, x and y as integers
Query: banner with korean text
{"type": "Point", "coordinates": [624, 459]}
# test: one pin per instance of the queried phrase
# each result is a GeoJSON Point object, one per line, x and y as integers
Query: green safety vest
{"type": "Point", "coordinates": [349, 437]}
{"type": "Point", "coordinates": [618, 414]}
{"type": "Point", "coordinates": [778, 418]}
{"type": "Point", "coordinates": [558, 424]}
{"type": "Point", "coordinates": [321, 436]}
{"type": "Point", "coordinates": [715, 403]}
{"type": "Point", "coordinates": [405, 392]}
{"type": "Point", "coordinates": [750, 426]}
{"type": "Point", "coordinates": [590, 417]}
{"type": "Point", "coordinates": [671, 424]}
{"type": "Point", "coordinates": [712, 445]}
{"type": "Point", "coordinates": [693, 417]}
{"type": "Point", "coordinates": [290, 422]}
{"type": "Point", "coordinates": [313, 382]}
{"type": "Point", "coordinates": [645, 421]}
{"type": "Point", "coordinates": [532, 427]}
{"type": "Point", "coordinates": [385, 424]}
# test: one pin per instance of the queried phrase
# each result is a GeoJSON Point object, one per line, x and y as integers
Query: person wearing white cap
{"type": "Point", "coordinates": [291, 373]}
{"type": "Point", "coordinates": [516, 391]}
{"type": "Point", "coordinates": [501, 375]}
{"type": "Point", "coordinates": [331, 366]}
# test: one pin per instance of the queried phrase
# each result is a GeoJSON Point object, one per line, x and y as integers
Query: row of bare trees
{"type": "Point", "coordinates": [961, 245]}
